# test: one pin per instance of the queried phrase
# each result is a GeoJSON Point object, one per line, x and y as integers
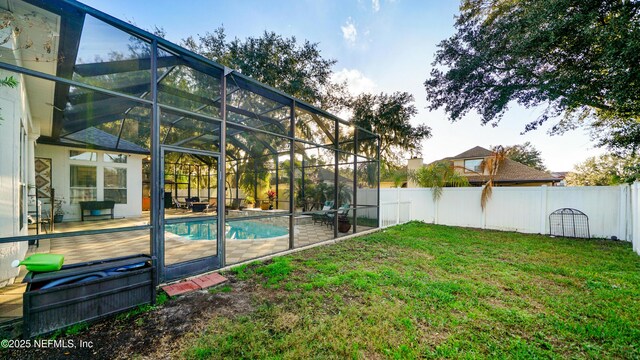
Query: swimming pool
{"type": "Point", "coordinates": [235, 230]}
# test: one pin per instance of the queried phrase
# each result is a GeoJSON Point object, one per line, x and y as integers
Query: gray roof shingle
{"type": "Point", "coordinates": [508, 171]}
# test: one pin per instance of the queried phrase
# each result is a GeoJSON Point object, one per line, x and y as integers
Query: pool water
{"type": "Point", "coordinates": [235, 230]}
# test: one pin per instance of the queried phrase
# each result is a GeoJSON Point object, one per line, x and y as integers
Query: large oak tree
{"type": "Point", "coordinates": [605, 170]}
{"type": "Point", "coordinates": [299, 69]}
{"type": "Point", "coordinates": [389, 115]}
{"type": "Point", "coordinates": [526, 154]}
{"type": "Point", "coordinates": [579, 58]}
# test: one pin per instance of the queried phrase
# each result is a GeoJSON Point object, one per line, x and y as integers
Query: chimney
{"type": "Point", "coordinates": [413, 165]}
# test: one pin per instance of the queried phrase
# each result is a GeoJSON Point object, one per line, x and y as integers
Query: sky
{"type": "Point", "coordinates": [379, 45]}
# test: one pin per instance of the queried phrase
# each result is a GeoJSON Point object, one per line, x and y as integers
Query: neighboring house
{"type": "Point", "coordinates": [328, 177]}
{"type": "Point", "coordinates": [387, 181]}
{"type": "Point", "coordinates": [510, 173]}
{"type": "Point", "coordinates": [391, 184]}
{"type": "Point", "coordinates": [560, 175]}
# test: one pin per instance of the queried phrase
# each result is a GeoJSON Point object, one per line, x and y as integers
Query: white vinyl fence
{"type": "Point", "coordinates": [612, 210]}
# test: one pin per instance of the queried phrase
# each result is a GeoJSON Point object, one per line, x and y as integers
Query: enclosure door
{"type": "Point", "coordinates": [190, 239]}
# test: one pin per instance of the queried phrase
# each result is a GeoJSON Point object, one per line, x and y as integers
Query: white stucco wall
{"type": "Point", "coordinates": [412, 166]}
{"type": "Point", "coordinates": [14, 112]}
{"type": "Point", "coordinates": [60, 175]}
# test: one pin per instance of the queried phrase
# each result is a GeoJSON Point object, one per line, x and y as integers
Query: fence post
{"type": "Point", "coordinates": [622, 215]}
{"type": "Point", "coordinates": [483, 213]}
{"type": "Point", "coordinates": [635, 218]}
{"type": "Point", "coordinates": [435, 206]}
{"type": "Point", "coordinates": [398, 207]}
{"type": "Point", "coordinates": [543, 209]}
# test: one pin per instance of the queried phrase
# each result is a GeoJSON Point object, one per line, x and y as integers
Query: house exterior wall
{"type": "Point", "coordinates": [412, 166]}
{"type": "Point", "coordinates": [60, 176]}
{"type": "Point", "coordinates": [15, 116]}
{"type": "Point", "coordinates": [387, 184]}
{"type": "Point", "coordinates": [71, 99]}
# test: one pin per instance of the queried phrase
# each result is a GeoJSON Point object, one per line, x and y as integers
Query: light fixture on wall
{"type": "Point", "coordinates": [53, 106]}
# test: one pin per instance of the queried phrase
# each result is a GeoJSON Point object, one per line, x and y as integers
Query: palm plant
{"type": "Point", "coordinates": [9, 81]}
{"type": "Point", "coordinates": [443, 174]}
{"type": "Point", "coordinates": [489, 166]}
{"type": "Point", "coordinates": [397, 176]}
{"type": "Point", "coordinates": [438, 175]}
{"type": "Point", "coordinates": [345, 193]}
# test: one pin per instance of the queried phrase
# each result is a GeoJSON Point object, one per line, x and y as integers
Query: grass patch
{"type": "Point", "coordinates": [72, 330]}
{"type": "Point", "coordinates": [273, 271]}
{"type": "Point", "coordinates": [161, 299]}
{"type": "Point", "coordinates": [221, 289]}
{"type": "Point", "coordinates": [429, 291]}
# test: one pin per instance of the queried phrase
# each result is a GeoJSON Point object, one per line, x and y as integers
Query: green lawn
{"type": "Point", "coordinates": [427, 291]}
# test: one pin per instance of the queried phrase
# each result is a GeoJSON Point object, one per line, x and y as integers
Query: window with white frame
{"type": "Point", "coordinates": [87, 167]}
{"type": "Point", "coordinates": [473, 165]}
{"type": "Point", "coordinates": [115, 184]}
{"type": "Point", "coordinates": [83, 155]}
{"type": "Point", "coordinates": [114, 158]}
{"type": "Point", "coordinates": [83, 183]}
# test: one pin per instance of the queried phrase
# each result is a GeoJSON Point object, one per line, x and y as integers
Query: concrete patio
{"type": "Point", "coordinates": [109, 245]}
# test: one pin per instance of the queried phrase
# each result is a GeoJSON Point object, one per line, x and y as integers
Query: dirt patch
{"type": "Point", "coordinates": [156, 334]}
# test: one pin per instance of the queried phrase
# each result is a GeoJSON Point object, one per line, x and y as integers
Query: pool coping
{"type": "Point", "coordinates": [281, 253]}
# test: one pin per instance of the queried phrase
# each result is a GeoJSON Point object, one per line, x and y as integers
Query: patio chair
{"type": "Point", "coordinates": [212, 206]}
{"type": "Point", "coordinates": [191, 200]}
{"type": "Point", "coordinates": [319, 216]}
{"type": "Point", "coordinates": [342, 211]}
{"type": "Point", "coordinates": [178, 204]}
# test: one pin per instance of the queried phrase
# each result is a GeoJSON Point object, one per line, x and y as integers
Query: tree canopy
{"type": "Point", "coordinates": [283, 63]}
{"type": "Point", "coordinates": [605, 170]}
{"type": "Point", "coordinates": [438, 175]}
{"type": "Point", "coordinates": [389, 116]}
{"type": "Point", "coordinates": [579, 58]}
{"type": "Point", "coordinates": [526, 154]}
{"type": "Point", "coordinates": [300, 70]}
{"type": "Point", "coordinates": [396, 175]}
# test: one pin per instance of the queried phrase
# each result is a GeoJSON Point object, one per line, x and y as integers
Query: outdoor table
{"type": "Point", "coordinates": [199, 206]}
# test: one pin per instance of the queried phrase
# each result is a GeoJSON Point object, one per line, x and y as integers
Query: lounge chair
{"type": "Point", "coordinates": [212, 206]}
{"type": "Point", "coordinates": [178, 204]}
{"type": "Point", "coordinates": [342, 211]}
{"type": "Point", "coordinates": [320, 216]}
{"type": "Point", "coordinates": [191, 200]}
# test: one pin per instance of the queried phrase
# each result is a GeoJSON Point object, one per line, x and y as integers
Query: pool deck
{"type": "Point", "coordinates": [101, 246]}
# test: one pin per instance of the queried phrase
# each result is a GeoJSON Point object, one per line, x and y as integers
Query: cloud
{"type": "Point", "coordinates": [349, 32]}
{"type": "Point", "coordinates": [357, 82]}
{"type": "Point", "coordinates": [375, 4]}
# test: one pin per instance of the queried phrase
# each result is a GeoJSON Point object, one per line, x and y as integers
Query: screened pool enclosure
{"type": "Point", "coordinates": [116, 142]}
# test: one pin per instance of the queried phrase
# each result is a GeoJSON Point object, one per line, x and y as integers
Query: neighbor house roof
{"type": "Point", "coordinates": [326, 175]}
{"type": "Point", "coordinates": [514, 172]}
{"type": "Point", "coordinates": [509, 171]}
{"type": "Point", "coordinates": [559, 174]}
{"type": "Point", "coordinates": [475, 152]}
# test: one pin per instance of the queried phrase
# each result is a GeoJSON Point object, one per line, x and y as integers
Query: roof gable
{"type": "Point", "coordinates": [475, 152]}
{"type": "Point", "coordinates": [508, 171]}
{"type": "Point", "coordinates": [513, 171]}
